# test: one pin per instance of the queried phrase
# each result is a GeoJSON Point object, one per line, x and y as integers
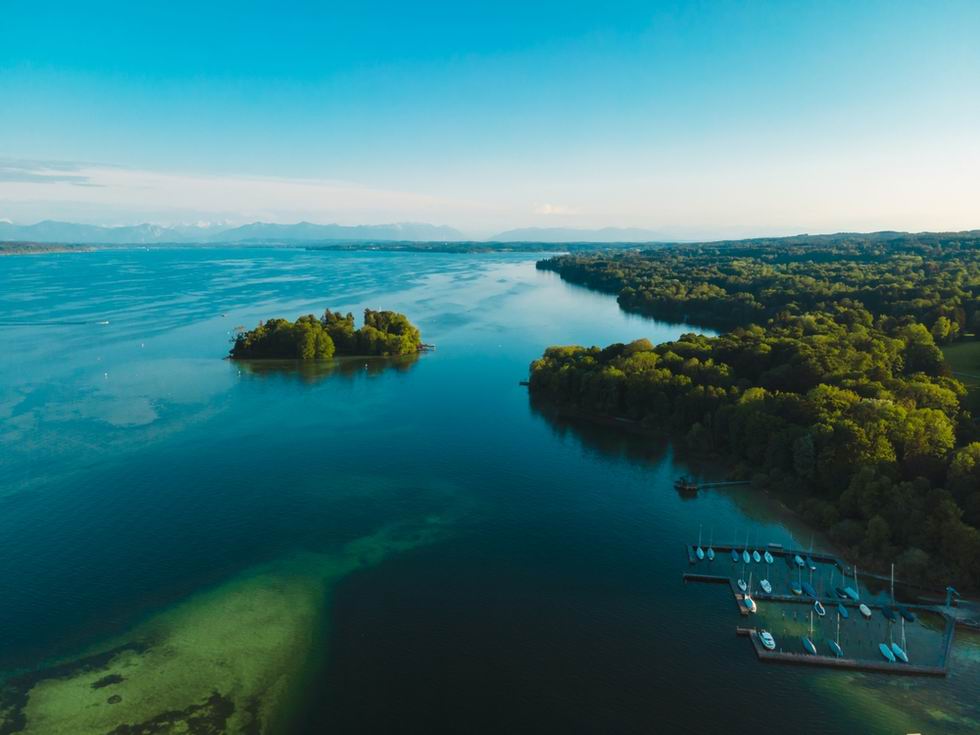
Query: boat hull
{"type": "Point", "coordinates": [899, 653]}
{"type": "Point", "coordinates": [886, 652]}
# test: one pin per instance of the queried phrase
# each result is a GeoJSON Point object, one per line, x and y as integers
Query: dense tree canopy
{"type": "Point", "coordinates": [831, 386]}
{"type": "Point", "coordinates": [385, 333]}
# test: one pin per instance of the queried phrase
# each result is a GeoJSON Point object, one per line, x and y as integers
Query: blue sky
{"type": "Point", "coordinates": [693, 119]}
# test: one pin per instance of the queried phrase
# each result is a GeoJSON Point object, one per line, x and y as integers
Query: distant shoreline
{"type": "Point", "coordinates": [459, 248]}
{"type": "Point", "coordinates": [40, 248]}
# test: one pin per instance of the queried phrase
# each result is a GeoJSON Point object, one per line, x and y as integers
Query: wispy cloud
{"type": "Point", "coordinates": [547, 209]}
{"type": "Point", "coordinates": [38, 172]}
{"type": "Point", "coordinates": [107, 193]}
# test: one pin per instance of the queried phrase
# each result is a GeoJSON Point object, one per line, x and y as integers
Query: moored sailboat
{"type": "Point", "coordinates": [767, 640]}
{"type": "Point", "coordinates": [835, 644]}
{"type": "Point", "coordinates": [808, 640]}
{"type": "Point", "coordinates": [747, 598]}
{"type": "Point", "coordinates": [899, 650]}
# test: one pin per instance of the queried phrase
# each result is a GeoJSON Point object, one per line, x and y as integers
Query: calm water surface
{"type": "Point", "coordinates": [137, 467]}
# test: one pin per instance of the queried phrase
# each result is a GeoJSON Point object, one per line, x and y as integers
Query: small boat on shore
{"type": "Point", "coordinates": [820, 609]}
{"type": "Point", "coordinates": [685, 484]}
{"type": "Point", "coordinates": [886, 652]}
{"type": "Point", "coordinates": [767, 640]}
{"type": "Point", "coordinates": [865, 610]}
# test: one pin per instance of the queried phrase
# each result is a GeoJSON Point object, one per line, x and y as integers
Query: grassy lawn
{"type": "Point", "coordinates": [964, 360]}
{"type": "Point", "coordinates": [964, 357]}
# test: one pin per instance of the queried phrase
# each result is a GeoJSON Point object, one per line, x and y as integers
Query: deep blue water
{"type": "Point", "coordinates": [137, 465]}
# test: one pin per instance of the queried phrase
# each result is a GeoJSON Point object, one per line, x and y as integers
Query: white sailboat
{"type": "Point", "coordinates": [768, 557]}
{"type": "Point", "coordinates": [835, 644]}
{"type": "Point", "coordinates": [808, 640]}
{"type": "Point", "coordinates": [699, 552]}
{"type": "Point", "coordinates": [747, 599]}
{"type": "Point", "coordinates": [767, 640]}
{"type": "Point", "coordinates": [898, 650]}
{"type": "Point", "coordinates": [745, 552]}
{"type": "Point", "coordinates": [710, 553]}
{"type": "Point", "coordinates": [741, 581]}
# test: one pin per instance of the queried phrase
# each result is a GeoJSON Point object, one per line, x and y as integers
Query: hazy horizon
{"type": "Point", "coordinates": [696, 122]}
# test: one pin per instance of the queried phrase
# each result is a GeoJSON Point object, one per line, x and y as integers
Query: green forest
{"type": "Point", "coordinates": [829, 386]}
{"type": "Point", "coordinates": [384, 333]}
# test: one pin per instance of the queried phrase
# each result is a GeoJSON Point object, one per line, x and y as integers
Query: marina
{"type": "Point", "coordinates": [822, 627]}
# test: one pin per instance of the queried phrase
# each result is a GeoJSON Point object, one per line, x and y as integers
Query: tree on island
{"type": "Point", "coordinates": [385, 333]}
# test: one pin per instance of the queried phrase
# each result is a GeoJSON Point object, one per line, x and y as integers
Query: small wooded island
{"type": "Point", "coordinates": [385, 333]}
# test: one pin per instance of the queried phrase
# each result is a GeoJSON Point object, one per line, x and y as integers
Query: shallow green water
{"type": "Point", "coordinates": [138, 469]}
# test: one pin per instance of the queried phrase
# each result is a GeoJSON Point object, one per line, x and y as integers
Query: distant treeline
{"type": "Point", "coordinates": [931, 278]}
{"type": "Point", "coordinates": [830, 389]}
{"type": "Point", "coordinates": [385, 333]}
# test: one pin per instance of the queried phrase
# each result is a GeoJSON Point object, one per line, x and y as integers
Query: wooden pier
{"type": "Point", "coordinates": [806, 659]}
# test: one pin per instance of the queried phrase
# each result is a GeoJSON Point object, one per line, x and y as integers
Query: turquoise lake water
{"type": "Point", "coordinates": [138, 467]}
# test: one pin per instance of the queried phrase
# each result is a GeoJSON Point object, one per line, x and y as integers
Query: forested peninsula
{"type": "Point", "coordinates": [829, 386]}
{"type": "Point", "coordinates": [384, 333]}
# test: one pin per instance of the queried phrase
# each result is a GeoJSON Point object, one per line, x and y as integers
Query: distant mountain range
{"type": "Point", "coordinates": [571, 234]}
{"type": "Point", "coordinates": [50, 231]}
